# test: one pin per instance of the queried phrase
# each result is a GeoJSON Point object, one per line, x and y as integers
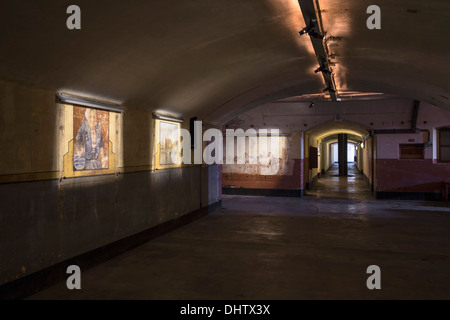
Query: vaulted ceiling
{"type": "Point", "coordinates": [216, 58]}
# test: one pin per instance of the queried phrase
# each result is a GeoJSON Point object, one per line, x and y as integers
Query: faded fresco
{"type": "Point", "coordinates": [91, 139]}
{"type": "Point", "coordinates": [266, 163]}
{"type": "Point", "coordinates": [169, 143]}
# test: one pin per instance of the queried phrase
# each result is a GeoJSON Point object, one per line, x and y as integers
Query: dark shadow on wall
{"type": "Point", "coordinates": [137, 136]}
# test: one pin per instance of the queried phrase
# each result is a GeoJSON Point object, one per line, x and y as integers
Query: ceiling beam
{"type": "Point", "coordinates": [314, 28]}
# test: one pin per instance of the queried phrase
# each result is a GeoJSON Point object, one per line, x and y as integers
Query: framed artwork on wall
{"type": "Point", "coordinates": [168, 140]}
{"type": "Point", "coordinates": [91, 136]}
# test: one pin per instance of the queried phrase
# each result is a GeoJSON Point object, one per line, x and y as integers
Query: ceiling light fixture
{"type": "Point", "coordinates": [309, 29]}
{"type": "Point", "coordinates": [168, 118]}
{"type": "Point", "coordinates": [323, 69]}
{"type": "Point", "coordinates": [77, 101]}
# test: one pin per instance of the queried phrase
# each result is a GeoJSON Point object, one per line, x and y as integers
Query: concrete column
{"type": "Point", "coordinates": [342, 156]}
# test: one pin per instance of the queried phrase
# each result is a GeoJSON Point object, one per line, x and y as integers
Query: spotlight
{"type": "Point", "coordinates": [309, 29]}
{"type": "Point", "coordinates": [329, 89]}
{"type": "Point", "coordinates": [319, 69]}
{"type": "Point", "coordinates": [303, 31]}
{"type": "Point", "coordinates": [323, 69]}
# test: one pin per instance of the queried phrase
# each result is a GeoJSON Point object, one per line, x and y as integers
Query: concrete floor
{"type": "Point", "coordinates": [331, 185]}
{"type": "Point", "coordinates": [316, 247]}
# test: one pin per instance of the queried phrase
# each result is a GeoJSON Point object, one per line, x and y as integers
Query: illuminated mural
{"type": "Point", "coordinates": [91, 139]}
{"type": "Point", "coordinates": [169, 143]}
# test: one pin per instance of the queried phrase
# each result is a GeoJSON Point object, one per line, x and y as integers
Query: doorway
{"type": "Point", "coordinates": [339, 173]}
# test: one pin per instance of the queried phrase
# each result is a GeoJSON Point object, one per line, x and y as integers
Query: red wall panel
{"type": "Point", "coordinates": [253, 181]}
{"type": "Point", "coordinates": [410, 175]}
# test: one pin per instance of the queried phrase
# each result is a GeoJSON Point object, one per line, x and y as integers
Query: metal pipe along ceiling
{"type": "Point", "coordinates": [314, 27]}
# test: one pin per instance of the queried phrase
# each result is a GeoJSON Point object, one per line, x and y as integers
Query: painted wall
{"type": "Point", "coordinates": [325, 156]}
{"type": "Point", "coordinates": [254, 176]}
{"type": "Point", "coordinates": [388, 144]}
{"type": "Point", "coordinates": [297, 116]}
{"type": "Point", "coordinates": [351, 152]}
{"type": "Point", "coordinates": [360, 117]}
{"type": "Point", "coordinates": [45, 220]}
{"type": "Point", "coordinates": [380, 155]}
{"type": "Point", "coordinates": [334, 153]}
{"type": "Point", "coordinates": [359, 156]}
{"type": "Point", "coordinates": [367, 160]}
{"type": "Point", "coordinates": [306, 175]}
{"type": "Point", "coordinates": [315, 171]}
{"type": "Point", "coordinates": [395, 175]}
{"type": "Point", "coordinates": [329, 154]}
{"type": "Point", "coordinates": [28, 124]}
{"type": "Point", "coordinates": [419, 176]}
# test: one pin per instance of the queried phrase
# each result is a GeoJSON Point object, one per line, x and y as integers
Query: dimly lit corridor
{"type": "Point", "coordinates": [284, 248]}
{"type": "Point", "coordinates": [331, 185]}
{"type": "Point", "coordinates": [213, 150]}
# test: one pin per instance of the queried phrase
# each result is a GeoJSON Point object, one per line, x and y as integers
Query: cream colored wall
{"type": "Point", "coordinates": [35, 132]}
{"type": "Point", "coordinates": [367, 159]}
{"type": "Point", "coordinates": [326, 155]}
{"type": "Point", "coordinates": [138, 135]}
{"type": "Point", "coordinates": [28, 129]}
{"type": "Point", "coordinates": [314, 171]}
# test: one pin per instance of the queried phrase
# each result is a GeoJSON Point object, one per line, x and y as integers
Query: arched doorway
{"type": "Point", "coordinates": [335, 160]}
